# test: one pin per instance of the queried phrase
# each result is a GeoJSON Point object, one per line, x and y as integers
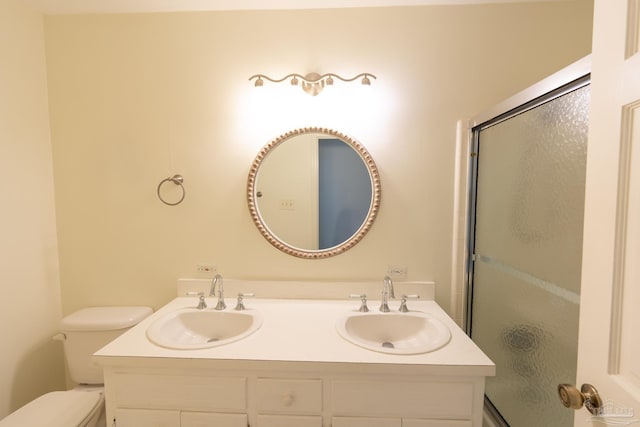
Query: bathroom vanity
{"type": "Point", "coordinates": [295, 370]}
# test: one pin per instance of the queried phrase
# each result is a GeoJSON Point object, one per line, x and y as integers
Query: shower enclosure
{"type": "Point", "coordinates": [525, 248]}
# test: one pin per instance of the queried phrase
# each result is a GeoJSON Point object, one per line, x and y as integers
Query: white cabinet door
{"type": "Point", "coordinates": [147, 418]}
{"type": "Point", "coordinates": [608, 345]}
{"type": "Point", "coordinates": [204, 419]}
{"type": "Point", "coordinates": [289, 421]}
{"type": "Point", "coordinates": [365, 422]}
{"type": "Point", "coordinates": [407, 422]}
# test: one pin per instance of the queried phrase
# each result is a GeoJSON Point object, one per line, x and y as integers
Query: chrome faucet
{"type": "Point", "coordinates": [217, 280]}
{"type": "Point", "coordinates": [387, 292]}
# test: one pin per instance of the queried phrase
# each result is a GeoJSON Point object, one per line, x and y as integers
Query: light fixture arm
{"type": "Point", "coordinates": [262, 76]}
{"type": "Point", "coordinates": [363, 75]}
{"type": "Point", "coordinates": [312, 83]}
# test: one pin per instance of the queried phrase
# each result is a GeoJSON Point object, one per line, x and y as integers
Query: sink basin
{"type": "Point", "coordinates": [189, 328]}
{"type": "Point", "coordinates": [394, 333]}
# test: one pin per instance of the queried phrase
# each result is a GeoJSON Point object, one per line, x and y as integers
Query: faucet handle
{"type": "Point", "coordinates": [363, 299]}
{"type": "Point", "coordinates": [403, 302]}
{"type": "Point", "coordinates": [201, 302]}
{"type": "Point", "coordinates": [240, 304]}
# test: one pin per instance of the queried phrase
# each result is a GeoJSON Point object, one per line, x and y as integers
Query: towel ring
{"type": "Point", "coordinates": [177, 180]}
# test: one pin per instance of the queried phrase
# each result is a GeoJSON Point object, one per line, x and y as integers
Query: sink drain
{"type": "Point", "coordinates": [388, 344]}
{"type": "Point", "coordinates": [213, 339]}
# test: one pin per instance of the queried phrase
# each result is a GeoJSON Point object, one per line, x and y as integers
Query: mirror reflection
{"type": "Point", "coordinates": [313, 193]}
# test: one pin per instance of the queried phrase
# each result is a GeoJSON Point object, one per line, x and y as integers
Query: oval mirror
{"type": "Point", "coordinates": [313, 192]}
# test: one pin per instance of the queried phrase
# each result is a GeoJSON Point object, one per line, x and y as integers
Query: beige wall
{"type": "Point", "coordinates": [30, 305]}
{"type": "Point", "coordinates": [136, 98]}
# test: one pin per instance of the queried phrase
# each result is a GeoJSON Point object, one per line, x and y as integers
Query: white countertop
{"type": "Point", "coordinates": [300, 331]}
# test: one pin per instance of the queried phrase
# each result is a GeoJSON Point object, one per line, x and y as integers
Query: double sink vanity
{"type": "Point", "coordinates": [297, 355]}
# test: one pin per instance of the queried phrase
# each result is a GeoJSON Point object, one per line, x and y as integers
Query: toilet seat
{"type": "Point", "coordinates": [73, 408]}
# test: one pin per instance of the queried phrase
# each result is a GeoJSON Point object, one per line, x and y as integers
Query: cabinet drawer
{"type": "Point", "coordinates": [190, 393]}
{"type": "Point", "coordinates": [288, 395]}
{"type": "Point", "coordinates": [403, 398]}
{"type": "Point", "coordinates": [204, 419]}
{"type": "Point", "coordinates": [147, 418]}
{"type": "Point", "coordinates": [289, 421]}
{"type": "Point", "coordinates": [365, 422]}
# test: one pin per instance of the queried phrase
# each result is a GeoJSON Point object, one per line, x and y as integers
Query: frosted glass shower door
{"type": "Point", "coordinates": [529, 209]}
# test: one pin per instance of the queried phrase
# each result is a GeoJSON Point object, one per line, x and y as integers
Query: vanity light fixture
{"type": "Point", "coordinates": [312, 83]}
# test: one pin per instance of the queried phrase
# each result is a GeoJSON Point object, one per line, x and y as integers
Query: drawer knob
{"type": "Point", "coordinates": [287, 399]}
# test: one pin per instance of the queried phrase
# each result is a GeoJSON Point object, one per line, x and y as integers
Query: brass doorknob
{"type": "Point", "coordinates": [573, 398]}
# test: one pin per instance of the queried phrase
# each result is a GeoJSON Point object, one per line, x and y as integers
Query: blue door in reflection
{"type": "Point", "coordinates": [345, 192]}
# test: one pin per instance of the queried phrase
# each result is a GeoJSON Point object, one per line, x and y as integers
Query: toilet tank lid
{"type": "Point", "coordinates": [104, 318]}
{"type": "Point", "coordinates": [56, 409]}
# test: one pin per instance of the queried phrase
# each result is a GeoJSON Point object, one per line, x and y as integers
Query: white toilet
{"type": "Point", "coordinates": [83, 332]}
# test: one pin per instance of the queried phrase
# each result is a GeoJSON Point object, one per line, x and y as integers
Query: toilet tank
{"type": "Point", "coordinates": [88, 330]}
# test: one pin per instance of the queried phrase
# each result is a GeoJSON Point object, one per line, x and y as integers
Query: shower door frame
{"type": "Point", "coordinates": [567, 80]}
{"type": "Point", "coordinates": [474, 131]}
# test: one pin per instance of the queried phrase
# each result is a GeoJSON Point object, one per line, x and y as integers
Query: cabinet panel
{"type": "Point", "coordinates": [289, 395]}
{"type": "Point", "coordinates": [181, 392]}
{"type": "Point", "coordinates": [289, 421]}
{"type": "Point", "coordinates": [403, 398]}
{"type": "Point", "coordinates": [204, 419]}
{"type": "Point", "coordinates": [365, 422]}
{"type": "Point", "coordinates": [147, 418]}
{"type": "Point", "coordinates": [434, 423]}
